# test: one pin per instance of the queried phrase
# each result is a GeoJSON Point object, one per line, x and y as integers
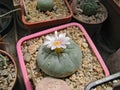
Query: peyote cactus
{"type": "Point", "coordinates": [61, 60]}
{"type": "Point", "coordinates": [44, 5]}
{"type": "Point", "coordinates": [89, 7]}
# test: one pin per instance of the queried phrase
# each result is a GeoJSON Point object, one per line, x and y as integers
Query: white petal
{"type": "Point", "coordinates": [52, 38]}
{"type": "Point", "coordinates": [62, 35]}
{"type": "Point", "coordinates": [48, 37]}
{"type": "Point", "coordinates": [46, 43]}
{"type": "Point", "coordinates": [53, 47]}
{"type": "Point", "coordinates": [49, 45]}
{"type": "Point", "coordinates": [56, 35]}
{"type": "Point", "coordinates": [63, 46]}
{"type": "Point", "coordinates": [58, 46]}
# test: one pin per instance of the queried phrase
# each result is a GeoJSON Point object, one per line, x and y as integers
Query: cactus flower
{"type": "Point", "coordinates": [57, 42]}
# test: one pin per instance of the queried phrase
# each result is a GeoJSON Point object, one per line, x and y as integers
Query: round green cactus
{"type": "Point", "coordinates": [62, 64]}
{"type": "Point", "coordinates": [44, 5]}
{"type": "Point", "coordinates": [89, 8]}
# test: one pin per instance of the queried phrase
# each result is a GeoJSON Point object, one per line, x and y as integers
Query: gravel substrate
{"type": "Point", "coordinates": [90, 70]}
{"type": "Point", "coordinates": [59, 11]}
{"type": "Point", "coordinates": [7, 75]}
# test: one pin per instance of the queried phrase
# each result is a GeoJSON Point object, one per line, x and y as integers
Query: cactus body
{"type": "Point", "coordinates": [45, 5]}
{"type": "Point", "coordinates": [89, 7]}
{"type": "Point", "coordinates": [62, 64]}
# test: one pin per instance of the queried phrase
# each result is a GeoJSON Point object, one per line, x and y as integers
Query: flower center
{"type": "Point", "coordinates": [57, 43]}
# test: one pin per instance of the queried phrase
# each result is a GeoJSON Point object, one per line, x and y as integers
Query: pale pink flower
{"type": "Point", "coordinates": [57, 41]}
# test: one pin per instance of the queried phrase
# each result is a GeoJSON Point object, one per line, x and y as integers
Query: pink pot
{"type": "Point", "coordinates": [20, 54]}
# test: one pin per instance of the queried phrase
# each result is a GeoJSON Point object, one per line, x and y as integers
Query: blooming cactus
{"type": "Point", "coordinates": [59, 56]}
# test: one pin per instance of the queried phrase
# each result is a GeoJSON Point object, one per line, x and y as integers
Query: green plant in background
{"type": "Point", "coordinates": [89, 7]}
{"type": "Point", "coordinates": [45, 5]}
{"type": "Point", "coordinates": [2, 61]}
{"type": "Point", "coordinates": [59, 56]}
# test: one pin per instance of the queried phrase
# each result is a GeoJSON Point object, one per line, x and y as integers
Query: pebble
{"type": "Point", "coordinates": [109, 88]}
{"type": "Point", "coordinates": [52, 84]}
{"type": "Point", "coordinates": [27, 57]}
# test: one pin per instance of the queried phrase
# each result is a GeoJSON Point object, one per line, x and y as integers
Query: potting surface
{"type": "Point", "coordinates": [11, 39]}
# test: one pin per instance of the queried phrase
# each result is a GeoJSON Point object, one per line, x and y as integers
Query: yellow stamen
{"type": "Point", "coordinates": [57, 43]}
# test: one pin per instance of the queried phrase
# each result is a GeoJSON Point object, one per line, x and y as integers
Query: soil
{"type": "Point", "coordinates": [90, 70]}
{"type": "Point", "coordinates": [59, 11]}
{"type": "Point", "coordinates": [7, 75]}
{"type": "Point", "coordinates": [99, 17]}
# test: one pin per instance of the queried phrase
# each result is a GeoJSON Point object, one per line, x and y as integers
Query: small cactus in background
{"type": "Point", "coordinates": [89, 7]}
{"type": "Point", "coordinates": [45, 5]}
{"type": "Point", "coordinates": [2, 61]}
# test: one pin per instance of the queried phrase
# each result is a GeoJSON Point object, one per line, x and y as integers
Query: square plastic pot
{"type": "Point", "coordinates": [46, 23]}
{"type": "Point", "coordinates": [42, 33]}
